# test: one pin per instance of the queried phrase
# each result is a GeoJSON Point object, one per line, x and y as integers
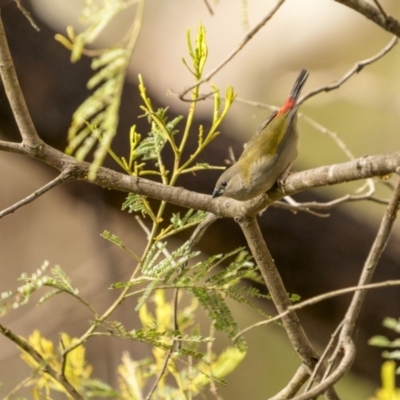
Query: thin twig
{"type": "Point", "coordinates": [60, 290]}
{"type": "Point", "coordinates": [170, 351]}
{"type": "Point", "coordinates": [27, 15]}
{"type": "Point", "coordinates": [247, 38]}
{"type": "Point", "coordinates": [202, 228]}
{"type": "Point", "coordinates": [344, 199]}
{"type": "Point", "coordinates": [324, 355]}
{"type": "Point", "coordinates": [317, 299]}
{"type": "Point", "coordinates": [319, 127]}
{"type": "Point", "coordinates": [388, 23]}
{"type": "Point", "coordinates": [63, 360]}
{"type": "Point", "coordinates": [380, 8]}
{"type": "Point", "coordinates": [232, 158]}
{"type": "Point", "coordinates": [310, 207]}
{"type": "Point", "coordinates": [210, 10]}
{"type": "Point", "coordinates": [146, 230]}
{"type": "Point", "coordinates": [65, 175]}
{"type": "Point", "coordinates": [358, 66]}
{"type": "Point", "coordinates": [296, 207]}
{"type": "Point", "coordinates": [14, 93]}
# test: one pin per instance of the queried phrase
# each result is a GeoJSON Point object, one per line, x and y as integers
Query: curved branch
{"type": "Point", "coordinates": [379, 245]}
{"type": "Point", "coordinates": [341, 370]}
{"type": "Point", "coordinates": [358, 66]}
{"type": "Point", "coordinates": [353, 312]}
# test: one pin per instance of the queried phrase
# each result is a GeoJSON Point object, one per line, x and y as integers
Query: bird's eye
{"type": "Point", "coordinates": [224, 183]}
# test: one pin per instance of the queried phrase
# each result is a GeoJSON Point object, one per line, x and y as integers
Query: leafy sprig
{"type": "Point", "coordinates": [96, 119]}
{"type": "Point", "coordinates": [210, 289]}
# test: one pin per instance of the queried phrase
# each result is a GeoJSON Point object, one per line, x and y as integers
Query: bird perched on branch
{"type": "Point", "coordinates": [269, 154]}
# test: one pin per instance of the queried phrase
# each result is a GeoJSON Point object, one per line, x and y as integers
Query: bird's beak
{"type": "Point", "coordinates": [216, 193]}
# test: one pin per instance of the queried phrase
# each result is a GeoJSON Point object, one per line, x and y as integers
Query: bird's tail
{"type": "Point", "coordinates": [298, 85]}
{"type": "Point", "coordinates": [291, 101]}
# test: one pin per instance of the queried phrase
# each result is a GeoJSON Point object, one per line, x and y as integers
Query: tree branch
{"type": "Point", "coordinates": [362, 168]}
{"type": "Point", "coordinates": [386, 22]}
{"type": "Point", "coordinates": [14, 93]}
{"type": "Point", "coordinates": [279, 296]}
{"type": "Point", "coordinates": [13, 147]}
{"type": "Point", "coordinates": [27, 15]}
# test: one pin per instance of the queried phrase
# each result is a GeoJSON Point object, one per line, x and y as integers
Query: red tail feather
{"type": "Point", "coordinates": [289, 104]}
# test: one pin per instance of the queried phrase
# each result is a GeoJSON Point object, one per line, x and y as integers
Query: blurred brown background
{"type": "Point", "coordinates": [314, 255]}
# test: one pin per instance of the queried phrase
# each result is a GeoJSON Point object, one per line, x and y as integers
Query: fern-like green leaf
{"type": "Point", "coordinates": [96, 15]}
{"type": "Point", "coordinates": [189, 352]}
{"type": "Point", "coordinates": [131, 283]}
{"type": "Point", "coordinates": [152, 255]}
{"type": "Point", "coordinates": [117, 241]}
{"type": "Point", "coordinates": [150, 335]}
{"type": "Point", "coordinates": [146, 294]}
{"type": "Point", "coordinates": [96, 388]}
{"type": "Point", "coordinates": [219, 313]}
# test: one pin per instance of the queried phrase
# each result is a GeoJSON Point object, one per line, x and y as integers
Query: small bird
{"type": "Point", "coordinates": [269, 154]}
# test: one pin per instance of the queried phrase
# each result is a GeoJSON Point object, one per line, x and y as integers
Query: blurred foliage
{"type": "Point", "coordinates": [382, 341]}
{"type": "Point", "coordinates": [388, 391]}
